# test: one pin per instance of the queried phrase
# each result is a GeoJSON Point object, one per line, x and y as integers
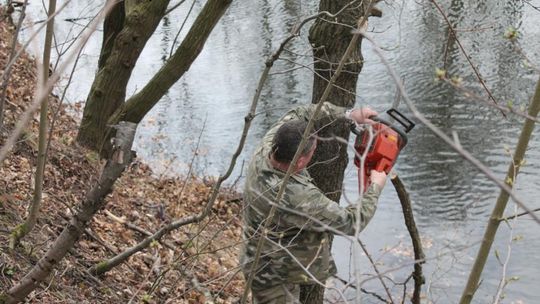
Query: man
{"type": "Point", "coordinates": [296, 249]}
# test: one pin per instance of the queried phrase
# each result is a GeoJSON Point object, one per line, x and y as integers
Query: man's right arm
{"type": "Point", "coordinates": [314, 211]}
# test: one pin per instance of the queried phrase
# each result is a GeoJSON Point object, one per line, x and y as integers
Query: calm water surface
{"type": "Point", "coordinates": [452, 200]}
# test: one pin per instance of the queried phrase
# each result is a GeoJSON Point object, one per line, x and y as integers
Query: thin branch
{"type": "Point", "coordinates": [374, 265]}
{"type": "Point", "coordinates": [181, 27]}
{"type": "Point", "coordinates": [21, 50]}
{"type": "Point", "coordinates": [192, 161]}
{"type": "Point", "coordinates": [23, 229]}
{"type": "Point", "coordinates": [503, 282]}
{"type": "Point", "coordinates": [517, 215]}
{"type": "Point", "coordinates": [136, 228]}
{"type": "Point", "coordinates": [174, 7]}
{"type": "Point", "coordinates": [526, 58]}
{"type": "Point", "coordinates": [537, 8]}
{"type": "Point", "coordinates": [371, 293]}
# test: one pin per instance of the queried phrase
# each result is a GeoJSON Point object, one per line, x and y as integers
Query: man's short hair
{"type": "Point", "coordinates": [287, 139]}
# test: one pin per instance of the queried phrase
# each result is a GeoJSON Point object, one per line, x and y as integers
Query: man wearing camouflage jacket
{"type": "Point", "coordinates": [296, 249]}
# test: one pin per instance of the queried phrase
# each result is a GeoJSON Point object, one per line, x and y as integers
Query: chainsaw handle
{"type": "Point", "coordinates": [401, 133]}
{"type": "Point", "coordinates": [402, 119]}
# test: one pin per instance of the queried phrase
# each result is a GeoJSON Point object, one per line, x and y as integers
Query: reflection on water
{"type": "Point", "coordinates": [451, 199]}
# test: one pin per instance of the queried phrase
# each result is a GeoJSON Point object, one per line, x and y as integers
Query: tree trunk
{"type": "Point", "coordinates": [109, 88]}
{"type": "Point", "coordinates": [329, 41]}
{"type": "Point", "coordinates": [94, 201]}
{"type": "Point", "coordinates": [141, 103]}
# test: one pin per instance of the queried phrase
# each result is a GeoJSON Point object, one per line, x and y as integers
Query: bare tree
{"type": "Point", "coordinates": [105, 103]}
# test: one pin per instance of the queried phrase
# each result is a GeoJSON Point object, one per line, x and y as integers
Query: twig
{"type": "Point", "coordinates": [526, 58]}
{"type": "Point", "coordinates": [96, 238]}
{"type": "Point", "coordinates": [154, 264]}
{"type": "Point", "coordinates": [476, 72]}
{"type": "Point", "coordinates": [304, 268]}
{"type": "Point", "coordinates": [371, 293]}
{"type": "Point", "coordinates": [473, 95]}
{"type": "Point", "coordinates": [537, 8]}
{"type": "Point", "coordinates": [21, 50]}
{"type": "Point", "coordinates": [174, 7]}
{"type": "Point", "coordinates": [7, 70]}
{"type": "Point", "coordinates": [374, 265]}
{"type": "Point", "coordinates": [192, 161]}
{"type": "Point", "coordinates": [181, 27]}
{"type": "Point", "coordinates": [70, 78]}
{"type": "Point", "coordinates": [517, 215]}
{"type": "Point", "coordinates": [503, 282]}
{"type": "Point", "coordinates": [197, 285]}
{"type": "Point", "coordinates": [134, 227]}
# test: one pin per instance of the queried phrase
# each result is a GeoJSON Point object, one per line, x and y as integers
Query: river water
{"type": "Point", "coordinates": [452, 200]}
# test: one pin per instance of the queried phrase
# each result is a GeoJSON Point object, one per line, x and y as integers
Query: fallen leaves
{"type": "Point", "coordinates": [207, 249]}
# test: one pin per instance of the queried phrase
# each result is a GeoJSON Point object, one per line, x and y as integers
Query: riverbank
{"type": "Point", "coordinates": [194, 264]}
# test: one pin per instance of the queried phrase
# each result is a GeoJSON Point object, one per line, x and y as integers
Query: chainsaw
{"type": "Point", "coordinates": [382, 146]}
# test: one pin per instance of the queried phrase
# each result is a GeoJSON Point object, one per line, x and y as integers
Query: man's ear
{"type": "Point", "coordinates": [302, 162]}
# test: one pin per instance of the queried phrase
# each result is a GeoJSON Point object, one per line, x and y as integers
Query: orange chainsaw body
{"type": "Point", "coordinates": [381, 148]}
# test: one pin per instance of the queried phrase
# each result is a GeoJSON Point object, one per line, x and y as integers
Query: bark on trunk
{"type": "Point", "coordinates": [94, 201]}
{"type": "Point", "coordinates": [112, 26]}
{"type": "Point", "coordinates": [329, 39]}
{"type": "Point", "coordinates": [109, 88]}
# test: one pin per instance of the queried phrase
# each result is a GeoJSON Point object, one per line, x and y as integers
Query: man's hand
{"type": "Point", "coordinates": [362, 115]}
{"type": "Point", "coordinates": [378, 178]}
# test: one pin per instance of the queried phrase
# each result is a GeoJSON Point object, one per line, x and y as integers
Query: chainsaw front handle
{"type": "Point", "coordinates": [401, 133]}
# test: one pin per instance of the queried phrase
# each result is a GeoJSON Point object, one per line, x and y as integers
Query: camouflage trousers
{"type": "Point", "coordinates": [280, 294]}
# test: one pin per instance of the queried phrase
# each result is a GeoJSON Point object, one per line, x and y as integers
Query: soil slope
{"type": "Point", "coordinates": [194, 264]}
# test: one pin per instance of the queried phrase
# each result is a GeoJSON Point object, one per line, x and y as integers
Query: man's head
{"type": "Point", "coordinates": [286, 142]}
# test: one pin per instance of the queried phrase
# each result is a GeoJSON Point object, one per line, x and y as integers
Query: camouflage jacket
{"type": "Point", "coordinates": [294, 242]}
